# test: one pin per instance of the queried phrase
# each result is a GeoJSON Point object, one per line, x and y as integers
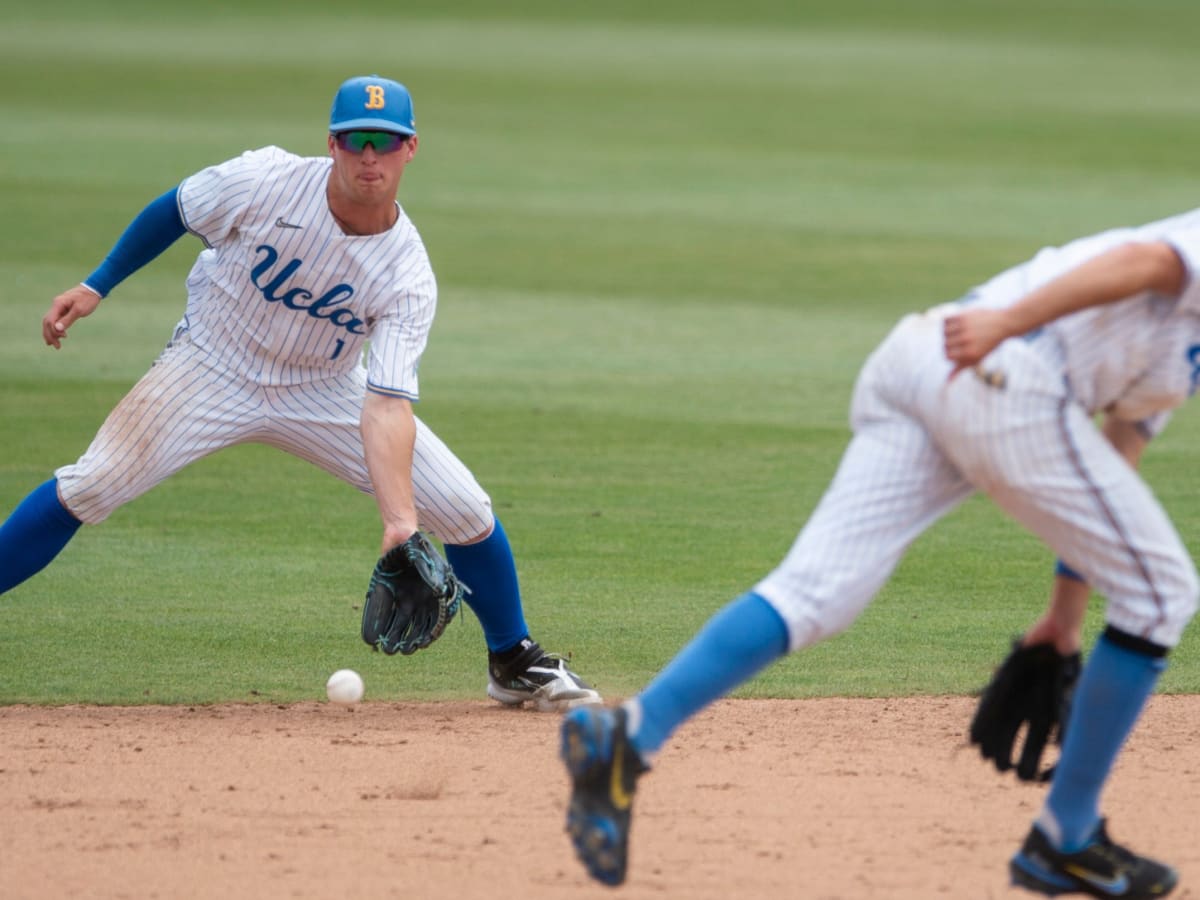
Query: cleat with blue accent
{"type": "Point", "coordinates": [604, 768]}
{"type": "Point", "coordinates": [1101, 869]}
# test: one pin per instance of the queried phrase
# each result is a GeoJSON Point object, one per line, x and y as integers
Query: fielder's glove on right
{"type": "Point", "coordinates": [1033, 687]}
{"type": "Point", "coordinates": [413, 595]}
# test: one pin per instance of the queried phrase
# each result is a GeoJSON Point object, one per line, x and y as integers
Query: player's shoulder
{"type": "Point", "coordinates": [274, 157]}
{"type": "Point", "coordinates": [407, 235]}
{"type": "Point", "coordinates": [405, 227]}
{"type": "Point", "coordinates": [410, 269]}
{"type": "Point", "coordinates": [253, 165]}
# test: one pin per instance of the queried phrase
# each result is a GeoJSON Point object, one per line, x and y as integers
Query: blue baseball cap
{"type": "Point", "coordinates": [372, 103]}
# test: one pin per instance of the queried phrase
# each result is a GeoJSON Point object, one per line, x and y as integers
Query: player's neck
{"type": "Point", "coordinates": [356, 218]}
{"type": "Point", "coordinates": [362, 220]}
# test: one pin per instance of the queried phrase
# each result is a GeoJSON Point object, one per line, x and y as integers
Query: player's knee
{"type": "Point", "coordinates": [468, 521]}
{"type": "Point", "coordinates": [1178, 598]}
{"type": "Point", "coordinates": [84, 499]}
{"type": "Point", "coordinates": [1189, 596]}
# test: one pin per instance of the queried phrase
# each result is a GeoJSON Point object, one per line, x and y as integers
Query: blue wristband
{"type": "Point", "coordinates": [1062, 569]}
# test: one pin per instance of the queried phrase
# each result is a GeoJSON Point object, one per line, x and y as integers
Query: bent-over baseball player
{"type": "Point", "coordinates": [993, 393]}
{"type": "Point", "coordinates": [306, 261]}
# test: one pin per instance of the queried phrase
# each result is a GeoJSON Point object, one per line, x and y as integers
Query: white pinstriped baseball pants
{"type": "Point", "coordinates": [184, 409]}
{"type": "Point", "coordinates": [921, 445]}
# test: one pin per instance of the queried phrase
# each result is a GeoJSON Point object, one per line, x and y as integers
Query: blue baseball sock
{"type": "Point", "coordinates": [489, 570]}
{"type": "Point", "coordinates": [33, 535]}
{"type": "Point", "coordinates": [741, 640]}
{"type": "Point", "coordinates": [1113, 689]}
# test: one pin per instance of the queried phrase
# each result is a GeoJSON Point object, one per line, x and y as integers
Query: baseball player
{"type": "Point", "coordinates": [993, 393]}
{"type": "Point", "coordinates": [308, 262]}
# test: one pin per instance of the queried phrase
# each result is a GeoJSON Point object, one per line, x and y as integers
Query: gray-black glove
{"type": "Point", "coordinates": [412, 596]}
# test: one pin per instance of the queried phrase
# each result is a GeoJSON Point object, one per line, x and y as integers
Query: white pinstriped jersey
{"type": "Point", "coordinates": [1135, 359]}
{"type": "Point", "coordinates": [281, 296]}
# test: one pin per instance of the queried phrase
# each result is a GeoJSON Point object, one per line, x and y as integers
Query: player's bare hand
{"type": "Point", "coordinates": [64, 311]}
{"type": "Point", "coordinates": [970, 335]}
{"type": "Point", "coordinates": [1047, 630]}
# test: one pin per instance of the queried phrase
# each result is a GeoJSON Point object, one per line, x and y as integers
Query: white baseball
{"type": "Point", "coordinates": [344, 686]}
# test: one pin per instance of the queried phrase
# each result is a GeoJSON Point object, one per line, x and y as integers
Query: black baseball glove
{"type": "Point", "coordinates": [1032, 687]}
{"type": "Point", "coordinates": [413, 595]}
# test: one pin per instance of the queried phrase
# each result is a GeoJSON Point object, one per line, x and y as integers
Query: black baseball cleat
{"type": "Point", "coordinates": [1101, 869]}
{"type": "Point", "coordinates": [604, 768]}
{"type": "Point", "coordinates": [535, 676]}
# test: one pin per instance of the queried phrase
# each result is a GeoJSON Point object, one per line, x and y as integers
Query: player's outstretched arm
{"type": "Point", "coordinates": [67, 307]}
{"type": "Point", "coordinates": [413, 592]}
{"type": "Point", "coordinates": [389, 432]}
{"type": "Point", "coordinates": [154, 229]}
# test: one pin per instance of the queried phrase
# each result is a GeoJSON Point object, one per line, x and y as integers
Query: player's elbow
{"type": "Point", "coordinates": [384, 410]}
{"type": "Point", "coordinates": [1160, 267]}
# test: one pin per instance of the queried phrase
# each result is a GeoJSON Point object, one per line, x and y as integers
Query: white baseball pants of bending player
{"type": "Point", "coordinates": [184, 409]}
{"type": "Point", "coordinates": [922, 444]}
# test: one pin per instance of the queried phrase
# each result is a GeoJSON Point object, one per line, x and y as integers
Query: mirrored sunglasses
{"type": "Point", "coordinates": [382, 141]}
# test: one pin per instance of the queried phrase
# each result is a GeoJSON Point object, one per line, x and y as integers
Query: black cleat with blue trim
{"type": "Point", "coordinates": [604, 768]}
{"type": "Point", "coordinates": [1101, 869]}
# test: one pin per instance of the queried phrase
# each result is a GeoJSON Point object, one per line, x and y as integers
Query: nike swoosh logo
{"type": "Point", "coordinates": [620, 797]}
{"type": "Point", "coordinates": [279, 223]}
{"type": "Point", "coordinates": [1114, 886]}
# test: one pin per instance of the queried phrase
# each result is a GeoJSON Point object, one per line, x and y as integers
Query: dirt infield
{"type": "Point", "coordinates": [824, 799]}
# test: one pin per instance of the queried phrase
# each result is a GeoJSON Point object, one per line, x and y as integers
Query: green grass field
{"type": "Point", "coordinates": [666, 236]}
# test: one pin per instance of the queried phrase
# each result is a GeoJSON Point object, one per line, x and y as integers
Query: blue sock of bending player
{"type": "Point", "coordinates": [735, 645]}
{"type": "Point", "coordinates": [33, 535]}
{"type": "Point", "coordinates": [1116, 683]}
{"type": "Point", "coordinates": [488, 569]}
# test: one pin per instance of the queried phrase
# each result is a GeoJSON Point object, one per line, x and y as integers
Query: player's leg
{"type": "Point", "coordinates": [1050, 468]}
{"type": "Point", "coordinates": [1118, 680]}
{"type": "Point", "coordinates": [519, 669]}
{"type": "Point", "coordinates": [607, 750]}
{"type": "Point", "coordinates": [1068, 848]}
{"type": "Point", "coordinates": [36, 532]}
{"type": "Point", "coordinates": [320, 424]}
{"type": "Point", "coordinates": [175, 414]}
{"type": "Point", "coordinates": [892, 484]}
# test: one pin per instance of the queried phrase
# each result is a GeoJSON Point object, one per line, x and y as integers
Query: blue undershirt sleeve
{"type": "Point", "coordinates": [154, 229]}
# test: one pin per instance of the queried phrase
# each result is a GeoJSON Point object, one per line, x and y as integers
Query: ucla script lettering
{"type": "Point", "coordinates": [327, 306]}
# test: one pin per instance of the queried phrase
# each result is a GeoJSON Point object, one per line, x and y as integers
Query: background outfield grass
{"type": "Point", "coordinates": [666, 234]}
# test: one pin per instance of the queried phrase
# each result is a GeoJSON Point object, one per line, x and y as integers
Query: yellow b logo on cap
{"type": "Point", "coordinates": [374, 96]}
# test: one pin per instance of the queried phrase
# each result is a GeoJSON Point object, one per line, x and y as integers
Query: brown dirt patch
{"type": "Point", "coordinates": [826, 799]}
